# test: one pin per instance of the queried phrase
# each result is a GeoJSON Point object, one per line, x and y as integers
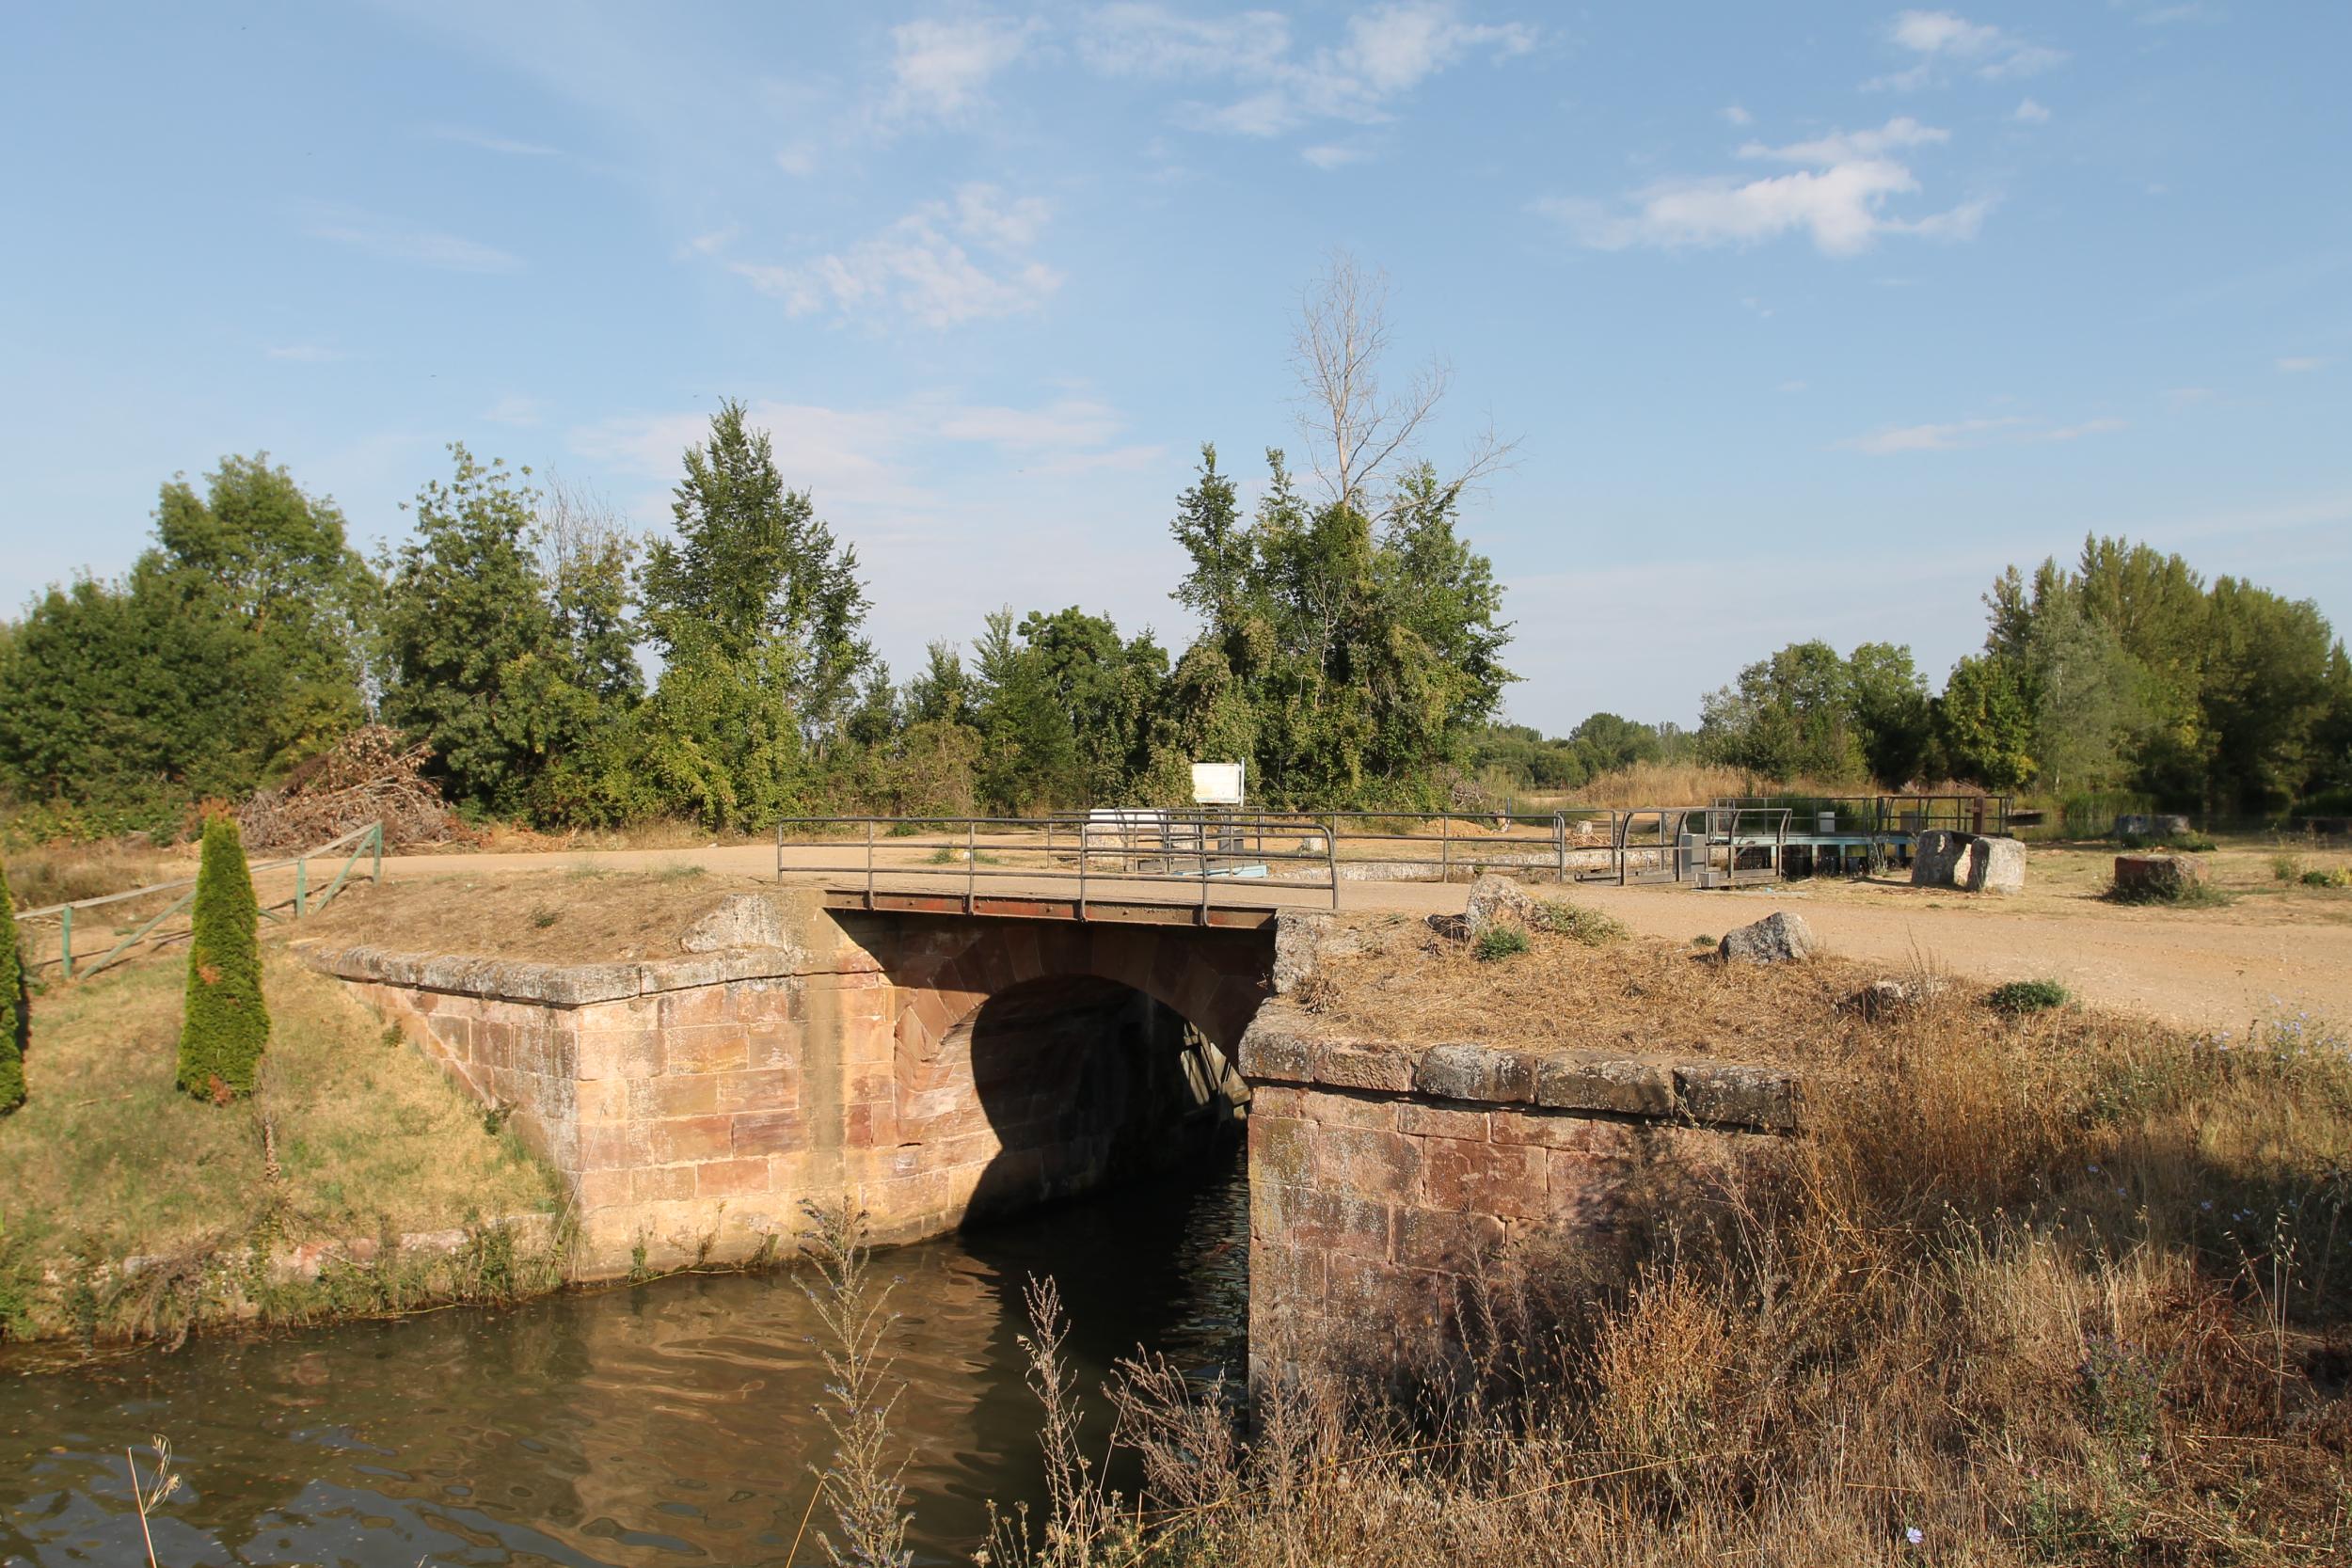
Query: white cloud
{"type": "Point", "coordinates": [1735, 115]}
{"type": "Point", "coordinates": [2185, 397]}
{"type": "Point", "coordinates": [1940, 38]}
{"type": "Point", "coordinates": [2030, 113]}
{"type": "Point", "coordinates": [396, 241]}
{"type": "Point", "coordinates": [1335, 154]}
{"type": "Point", "coordinates": [2301, 364]}
{"type": "Point", "coordinates": [1841, 202]}
{"type": "Point", "coordinates": [1957, 434]}
{"type": "Point", "coordinates": [304, 354]}
{"type": "Point", "coordinates": [799, 160]}
{"type": "Point", "coordinates": [488, 142]}
{"type": "Point", "coordinates": [711, 242]}
{"type": "Point", "coordinates": [1070, 423]}
{"type": "Point", "coordinates": [514, 409]}
{"type": "Point", "coordinates": [923, 266]}
{"type": "Point", "coordinates": [1841, 146]}
{"type": "Point", "coordinates": [2104, 425]}
{"type": "Point", "coordinates": [1385, 52]}
{"type": "Point", "coordinates": [941, 68]}
{"type": "Point", "coordinates": [1792, 387]}
{"type": "Point", "coordinates": [1923, 438]}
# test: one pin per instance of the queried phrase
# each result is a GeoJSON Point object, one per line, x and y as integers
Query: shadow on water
{"type": "Point", "coordinates": [662, 1424]}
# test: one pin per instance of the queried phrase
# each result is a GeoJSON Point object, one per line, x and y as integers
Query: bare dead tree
{"type": "Point", "coordinates": [577, 526]}
{"type": "Point", "coordinates": [1356, 433]}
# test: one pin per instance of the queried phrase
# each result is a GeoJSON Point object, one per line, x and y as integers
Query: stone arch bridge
{"type": "Point", "coordinates": [942, 1066]}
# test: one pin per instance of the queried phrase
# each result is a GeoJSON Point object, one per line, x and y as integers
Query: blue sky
{"type": "Point", "coordinates": [1806, 327]}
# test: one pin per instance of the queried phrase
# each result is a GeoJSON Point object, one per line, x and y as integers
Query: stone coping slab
{"type": "Point", "coordinates": [556, 984]}
{"type": "Point", "coordinates": [1286, 1045]}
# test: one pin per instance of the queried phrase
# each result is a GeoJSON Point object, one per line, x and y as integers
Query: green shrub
{"type": "Point", "coordinates": [2028, 996]}
{"type": "Point", "coordinates": [14, 1018]}
{"type": "Point", "coordinates": [226, 1024]}
{"type": "Point", "coordinates": [1498, 942]}
{"type": "Point", "coordinates": [2340, 876]}
{"type": "Point", "coordinates": [2195, 844]}
{"type": "Point", "coordinates": [1579, 923]}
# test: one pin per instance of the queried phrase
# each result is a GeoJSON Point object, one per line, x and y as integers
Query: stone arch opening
{"type": "Point", "coordinates": [1084, 1083]}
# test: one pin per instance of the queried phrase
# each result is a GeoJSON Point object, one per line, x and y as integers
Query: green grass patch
{"type": "Point", "coordinates": [2020, 997]}
{"type": "Point", "coordinates": [2340, 876]}
{"type": "Point", "coordinates": [107, 1159]}
{"type": "Point", "coordinates": [1497, 942]}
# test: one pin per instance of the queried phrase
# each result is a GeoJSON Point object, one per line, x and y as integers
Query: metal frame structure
{"type": "Point", "coordinates": [367, 842]}
{"type": "Point", "coordinates": [1119, 864]}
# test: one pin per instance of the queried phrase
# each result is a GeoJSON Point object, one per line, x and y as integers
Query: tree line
{"type": "Point", "coordinates": [2125, 673]}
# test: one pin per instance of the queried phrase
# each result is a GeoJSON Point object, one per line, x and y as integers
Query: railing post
{"type": "Point", "coordinates": [970, 863]}
{"type": "Point", "coordinates": [779, 849]}
{"type": "Point", "coordinates": [1082, 871]}
{"type": "Point", "coordinates": [302, 886]}
{"type": "Point", "coordinates": [1331, 855]}
{"type": "Point", "coordinates": [376, 840]}
{"type": "Point", "coordinates": [1445, 850]}
{"type": "Point", "coordinates": [65, 941]}
{"type": "Point", "coordinates": [869, 864]}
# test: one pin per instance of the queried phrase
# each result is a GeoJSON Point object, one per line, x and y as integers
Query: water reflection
{"type": "Point", "coordinates": [664, 1424]}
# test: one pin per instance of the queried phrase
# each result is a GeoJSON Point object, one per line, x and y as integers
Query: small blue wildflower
{"type": "Point", "coordinates": [1914, 1535]}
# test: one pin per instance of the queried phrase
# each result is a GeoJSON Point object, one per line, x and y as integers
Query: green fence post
{"type": "Point", "coordinates": [65, 939]}
{"type": "Point", "coordinates": [302, 887]}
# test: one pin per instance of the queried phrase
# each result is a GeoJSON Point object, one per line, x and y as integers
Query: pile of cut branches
{"type": "Point", "coordinates": [369, 776]}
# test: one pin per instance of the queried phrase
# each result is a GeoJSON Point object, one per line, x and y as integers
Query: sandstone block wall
{"type": "Point", "coordinates": [920, 1064]}
{"type": "Point", "coordinates": [1385, 1175]}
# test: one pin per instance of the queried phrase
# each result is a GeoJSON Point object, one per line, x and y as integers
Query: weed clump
{"type": "Point", "coordinates": [2340, 876]}
{"type": "Point", "coordinates": [2020, 997]}
{"type": "Point", "coordinates": [1497, 942]}
{"type": "Point", "coordinates": [1579, 923]}
{"type": "Point", "coordinates": [226, 1024]}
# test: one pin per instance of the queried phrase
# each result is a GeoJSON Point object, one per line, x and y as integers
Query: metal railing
{"type": "Point", "coordinates": [1118, 854]}
{"type": "Point", "coordinates": [304, 901]}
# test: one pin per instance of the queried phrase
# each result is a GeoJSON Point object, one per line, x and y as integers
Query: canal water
{"type": "Point", "coordinates": [660, 1424]}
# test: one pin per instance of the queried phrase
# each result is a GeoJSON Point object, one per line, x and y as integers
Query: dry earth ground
{"type": "Point", "coordinates": [2277, 947]}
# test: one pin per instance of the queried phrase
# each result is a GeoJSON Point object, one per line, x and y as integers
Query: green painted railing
{"type": "Point", "coordinates": [361, 843]}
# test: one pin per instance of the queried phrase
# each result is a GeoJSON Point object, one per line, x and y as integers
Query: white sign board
{"type": "Point", "coordinates": [1217, 784]}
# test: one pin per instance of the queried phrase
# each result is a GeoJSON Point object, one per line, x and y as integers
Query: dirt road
{"type": "Point", "coordinates": [2209, 969]}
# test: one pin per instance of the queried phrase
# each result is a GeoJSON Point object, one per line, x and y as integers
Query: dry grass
{"type": "Point", "coordinates": [1415, 981]}
{"type": "Point", "coordinates": [63, 871]}
{"type": "Point", "coordinates": [108, 1159]}
{"type": "Point", "coordinates": [2070, 1288]}
{"type": "Point", "coordinates": [582, 915]}
{"type": "Point", "coordinates": [1679, 784]}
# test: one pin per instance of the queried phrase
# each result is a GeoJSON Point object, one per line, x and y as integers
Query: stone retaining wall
{"type": "Point", "coordinates": [1384, 1176]}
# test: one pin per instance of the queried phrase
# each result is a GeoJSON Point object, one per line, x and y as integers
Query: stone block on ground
{"type": "Point", "coordinates": [1881, 999]}
{"type": "Point", "coordinates": [2000, 866]}
{"type": "Point", "coordinates": [1497, 900]}
{"type": "Point", "coordinates": [2156, 876]}
{"type": "Point", "coordinates": [1941, 858]}
{"type": "Point", "coordinates": [1778, 938]}
{"type": "Point", "coordinates": [1303, 940]}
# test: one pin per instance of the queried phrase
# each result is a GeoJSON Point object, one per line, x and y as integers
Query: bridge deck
{"type": "Point", "coordinates": [1041, 906]}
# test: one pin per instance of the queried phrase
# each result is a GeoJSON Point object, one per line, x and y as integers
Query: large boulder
{"type": "Point", "coordinates": [1497, 901]}
{"type": "Point", "coordinates": [2151, 825]}
{"type": "Point", "coordinates": [1778, 938]}
{"type": "Point", "coordinates": [2157, 877]}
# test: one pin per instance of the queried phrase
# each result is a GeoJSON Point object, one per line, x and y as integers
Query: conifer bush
{"type": "Point", "coordinates": [13, 1019]}
{"type": "Point", "coordinates": [226, 1024]}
